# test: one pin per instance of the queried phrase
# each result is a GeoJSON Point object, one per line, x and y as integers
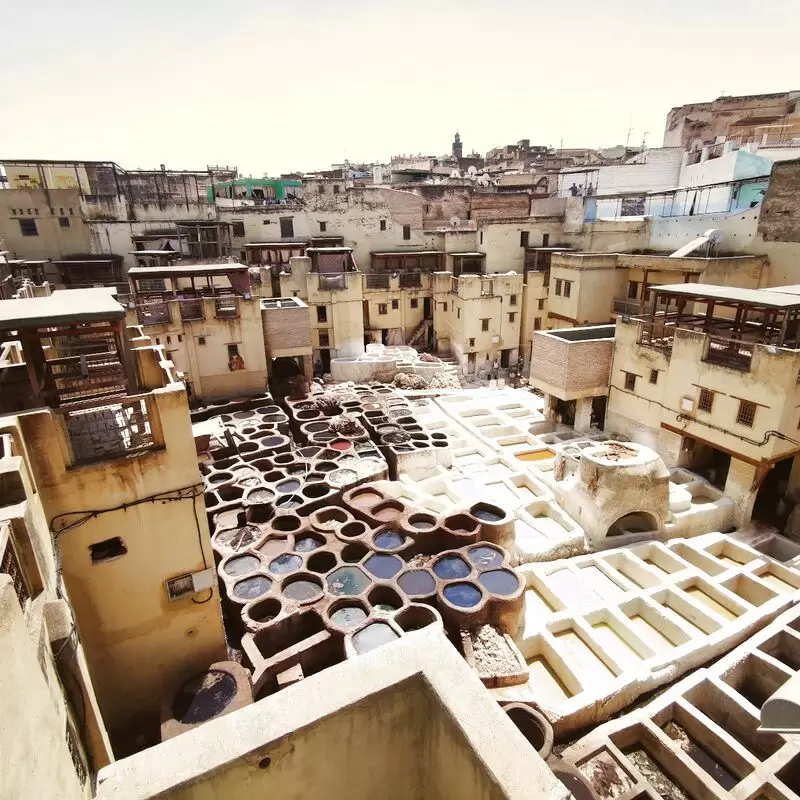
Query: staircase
{"type": "Point", "coordinates": [418, 337]}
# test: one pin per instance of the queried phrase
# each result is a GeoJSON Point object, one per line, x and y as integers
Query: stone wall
{"type": "Point", "coordinates": [780, 213]}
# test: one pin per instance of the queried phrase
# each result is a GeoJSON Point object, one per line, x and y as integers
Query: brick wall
{"type": "Point", "coordinates": [571, 366]}
{"type": "Point", "coordinates": [500, 206]}
{"type": "Point", "coordinates": [286, 328]}
{"type": "Point", "coordinates": [779, 220]}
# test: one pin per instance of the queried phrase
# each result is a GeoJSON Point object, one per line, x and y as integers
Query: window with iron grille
{"type": "Point", "coordinates": [523, 238]}
{"type": "Point", "coordinates": [414, 303]}
{"type": "Point", "coordinates": [28, 227]}
{"type": "Point", "coordinates": [237, 228]}
{"type": "Point", "coordinates": [472, 343]}
{"type": "Point", "coordinates": [653, 376]}
{"type": "Point", "coordinates": [323, 226]}
{"type": "Point", "coordinates": [484, 325]}
{"type": "Point", "coordinates": [382, 308]}
{"type": "Point", "coordinates": [541, 305]}
{"type": "Point", "coordinates": [633, 290]}
{"type": "Point", "coordinates": [567, 288]}
{"type": "Point", "coordinates": [406, 231]}
{"type": "Point", "coordinates": [512, 301]}
{"type": "Point", "coordinates": [336, 188]}
{"type": "Point", "coordinates": [558, 286]}
{"type": "Point", "coordinates": [324, 340]}
{"type": "Point", "coordinates": [395, 305]}
{"type": "Point", "coordinates": [63, 222]}
{"type": "Point", "coordinates": [706, 401]}
{"type": "Point", "coordinates": [383, 224]}
{"type": "Point", "coordinates": [747, 413]}
{"type": "Point", "coordinates": [511, 318]}
{"type": "Point", "coordinates": [537, 323]}
{"type": "Point", "coordinates": [322, 314]}
{"type": "Point", "coordinates": [630, 381]}
{"type": "Point", "coordinates": [10, 566]}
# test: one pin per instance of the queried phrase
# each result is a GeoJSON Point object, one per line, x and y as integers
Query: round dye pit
{"type": "Point", "coordinates": [340, 444]}
{"type": "Point", "coordinates": [388, 540]}
{"type": "Point", "coordinates": [241, 565]}
{"type": "Point", "coordinates": [250, 588]}
{"type": "Point", "coordinates": [289, 501]}
{"type": "Point", "coordinates": [487, 513]}
{"type": "Point", "coordinates": [259, 495]}
{"type": "Point", "coordinates": [287, 487]}
{"type": "Point", "coordinates": [285, 563]}
{"type": "Point", "coordinates": [422, 522]}
{"type": "Point", "coordinates": [348, 616]}
{"type": "Point", "coordinates": [302, 590]}
{"type": "Point", "coordinates": [383, 566]}
{"type": "Point", "coordinates": [374, 635]}
{"type": "Point", "coordinates": [463, 595]}
{"type": "Point", "coordinates": [306, 543]}
{"type": "Point", "coordinates": [484, 557]}
{"type": "Point", "coordinates": [500, 581]}
{"type": "Point", "coordinates": [347, 581]}
{"type": "Point", "coordinates": [417, 583]}
{"type": "Point", "coordinates": [238, 538]}
{"type": "Point", "coordinates": [342, 477]}
{"type": "Point", "coordinates": [451, 567]}
{"type": "Point", "coordinates": [204, 697]}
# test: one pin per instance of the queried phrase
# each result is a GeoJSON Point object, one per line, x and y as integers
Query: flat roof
{"type": "Point", "coordinates": [469, 253]}
{"type": "Point", "coordinates": [61, 307]}
{"type": "Point", "coordinates": [758, 297]}
{"type": "Point", "coordinates": [176, 270]}
{"type": "Point", "coordinates": [407, 252]}
{"type": "Point", "coordinates": [331, 249]}
{"type": "Point", "coordinates": [283, 243]}
{"type": "Point", "coordinates": [96, 261]}
{"type": "Point", "coordinates": [154, 253]}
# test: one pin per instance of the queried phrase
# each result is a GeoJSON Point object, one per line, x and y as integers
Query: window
{"type": "Point", "coordinates": [107, 550]}
{"type": "Point", "coordinates": [287, 227]}
{"type": "Point", "coordinates": [180, 337]}
{"type": "Point", "coordinates": [63, 222]}
{"type": "Point", "coordinates": [633, 290]}
{"type": "Point", "coordinates": [336, 188]}
{"type": "Point", "coordinates": [537, 323]}
{"type": "Point", "coordinates": [472, 343]}
{"type": "Point", "coordinates": [458, 313]}
{"type": "Point", "coordinates": [28, 227]}
{"type": "Point", "coordinates": [322, 314]}
{"type": "Point", "coordinates": [70, 212]}
{"type": "Point", "coordinates": [481, 237]}
{"type": "Point", "coordinates": [61, 211]}
{"type": "Point", "coordinates": [567, 288]}
{"type": "Point", "coordinates": [13, 212]}
{"type": "Point", "coordinates": [541, 305]}
{"type": "Point", "coordinates": [545, 239]}
{"type": "Point", "coordinates": [512, 317]}
{"type": "Point", "coordinates": [321, 188]}
{"type": "Point", "coordinates": [201, 340]}
{"type": "Point", "coordinates": [558, 286]}
{"type": "Point", "coordinates": [513, 300]}
{"type": "Point", "coordinates": [169, 340]}
{"type": "Point", "coordinates": [233, 350]}
{"type": "Point", "coordinates": [237, 228]}
{"type": "Point", "coordinates": [747, 413]}
{"type": "Point", "coordinates": [523, 238]}
{"type": "Point", "coordinates": [653, 376]}
{"type": "Point", "coordinates": [395, 305]}
{"type": "Point", "coordinates": [484, 325]}
{"type": "Point", "coordinates": [383, 224]}
{"type": "Point", "coordinates": [630, 381]}
{"type": "Point", "coordinates": [324, 339]}
{"type": "Point", "coordinates": [323, 226]}
{"type": "Point", "coordinates": [706, 401]}
{"type": "Point", "coordinates": [414, 303]}
{"type": "Point", "coordinates": [406, 231]}
{"type": "Point", "coordinates": [444, 306]}
{"type": "Point", "coordinates": [382, 308]}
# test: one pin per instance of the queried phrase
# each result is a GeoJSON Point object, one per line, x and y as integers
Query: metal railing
{"type": "Point", "coordinates": [191, 308]}
{"type": "Point", "coordinates": [410, 280]}
{"type": "Point", "coordinates": [732, 353]}
{"type": "Point", "coordinates": [226, 307]}
{"type": "Point", "coordinates": [87, 375]}
{"type": "Point", "coordinates": [378, 281]}
{"type": "Point", "coordinates": [658, 336]}
{"type": "Point", "coordinates": [118, 428]}
{"type": "Point", "coordinates": [627, 307]}
{"type": "Point", "coordinates": [9, 565]}
{"type": "Point", "coordinates": [154, 313]}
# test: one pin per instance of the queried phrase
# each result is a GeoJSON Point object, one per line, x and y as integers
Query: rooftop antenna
{"type": "Point", "coordinates": [628, 137]}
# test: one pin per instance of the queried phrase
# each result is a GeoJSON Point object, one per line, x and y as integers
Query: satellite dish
{"type": "Point", "coordinates": [472, 171]}
{"type": "Point", "coordinates": [454, 222]}
{"type": "Point", "coordinates": [455, 174]}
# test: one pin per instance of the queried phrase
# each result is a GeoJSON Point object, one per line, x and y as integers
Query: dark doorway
{"type": "Point", "coordinates": [565, 411]}
{"type": "Point", "coordinates": [384, 335]}
{"type": "Point", "coordinates": [505, 358]}
{"type": "Point", "coordinates": [325, 357]}
{"type": "Point", "coordinates": [471, 364]}
{"type": "Point", "coordinates": [706, 461]}
{"type": "Point", "coordinates": [426, 308]}
{"type": "Point", "coordinates": [770, 506]}
{"type": "Point", "coordinates": [287, 227]}
{"type": "Point", "coordinates": [365, 312]}
{"type": "Point", "coordinates": [275, 279]}
{"type": "Point", "coordinates": [599, 412]}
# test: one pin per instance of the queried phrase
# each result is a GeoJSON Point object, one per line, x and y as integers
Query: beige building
{"type": "Point", "coordinates": [209, 323]}
{"type": "Point", "coordinates": [708, 378]}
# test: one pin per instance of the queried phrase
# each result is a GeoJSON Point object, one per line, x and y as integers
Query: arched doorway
{"type": "Point", "coordinates": [635, 522]}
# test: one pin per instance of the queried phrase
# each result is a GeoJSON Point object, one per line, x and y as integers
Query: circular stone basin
{"type": "Point", "coordinates": [251, 481]}
{"type": "Point", "coordinates": [383, 566]}
{"type": "Point", "coordinates": [347, 581]}
{"type": "Point", "coordinates": [484, 557]}
{"type": "Point", "coordinates": [238, 538]}
{"type": "Point", "coordinates": [486, 513]}
{"type": "Point", "coordinates": [250, 588]}
{"type": "Point", "coordinates": [302, 590]}
{"type": "Point", "coordinates": [463, 595]}
{"type": "Point", "coordinates": [348, 616]}
{"type": "Point", "coordinates": [306, 543]}
{"type": "Point", "coordinates": [340, 444]}
{"type": "Point", "coordinates": [341, 477]}
{"type": "Point", "coordinates": [241, 565]}
{"type": "Point", "coordinates": [500, 581]}
{"type": "Point", "coordinates": [289, 501]}
{"type": "Point", "coordinates": [204, 697]}
{"type": "Point", "coordinates": [285, 563]}
{"type": "Point", "coordinates": [287, 487]}
{"type": "Point", "coordinates": [374, 635]}
{"type": "Point", "coordinates": [422, 522]}
{"type": "Point", "coordinates": [389, 540]}
{"type": "Point", "coordinates": [451, 567]}
{"type": "Point", "coordinates": [219, 477]}
{"type": "Point", "coordinates": [244, 414]}
{"type": "Point", "coordinates": [417, 583]}
{"type": "Point", "coordinates": [259, 495]}
{"type": "Point", "coordinates": [272, 441]}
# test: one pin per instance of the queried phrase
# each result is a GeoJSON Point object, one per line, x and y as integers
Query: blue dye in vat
{"type": "Point", "coordinates": [382, 566]}
{"type": "Point", "coordinates": [306, 544]}
{"type": "Point", "coordinates": [375, 635]}
{"type": "Point", "coordinates": [241, 565]}
{"type": "Point", "coordinates": [500, 581]}
{"type": "Point", "coordinates": [417, 583]}
{"type": "Point", "coordinates": [347, 580]}
{"type": "Point", "coordinates": [250, 588]}
{"type": "Point", "coordinates": [286, 487]}
{"type": "Point", "coordinates": [348, 616]}
{"type": "Point", "coordinates": [484, 557]}
{"type": "Point", "coordinates": [452, 567]}
{"type": "Point", "coordinates": [389, 540]}
{"type": "Point", "coordinates": [286, 562]}
{"type": "Point", "coordinates": [463, 595]}
{"type": "Point", "coordinates": [486, 514]}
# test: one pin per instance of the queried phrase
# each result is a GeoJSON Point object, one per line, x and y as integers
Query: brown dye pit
{"type": "Point", "coordinates": [700, 755]}
{"type": "Point", "coordinates": [653, 774]}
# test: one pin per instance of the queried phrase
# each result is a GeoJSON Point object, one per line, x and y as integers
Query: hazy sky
{"type": "Point", "coordinates": [278, 86]}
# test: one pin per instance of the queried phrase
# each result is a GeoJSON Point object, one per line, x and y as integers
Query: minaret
{"type": "Point", "coordinates": [457, 147]}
